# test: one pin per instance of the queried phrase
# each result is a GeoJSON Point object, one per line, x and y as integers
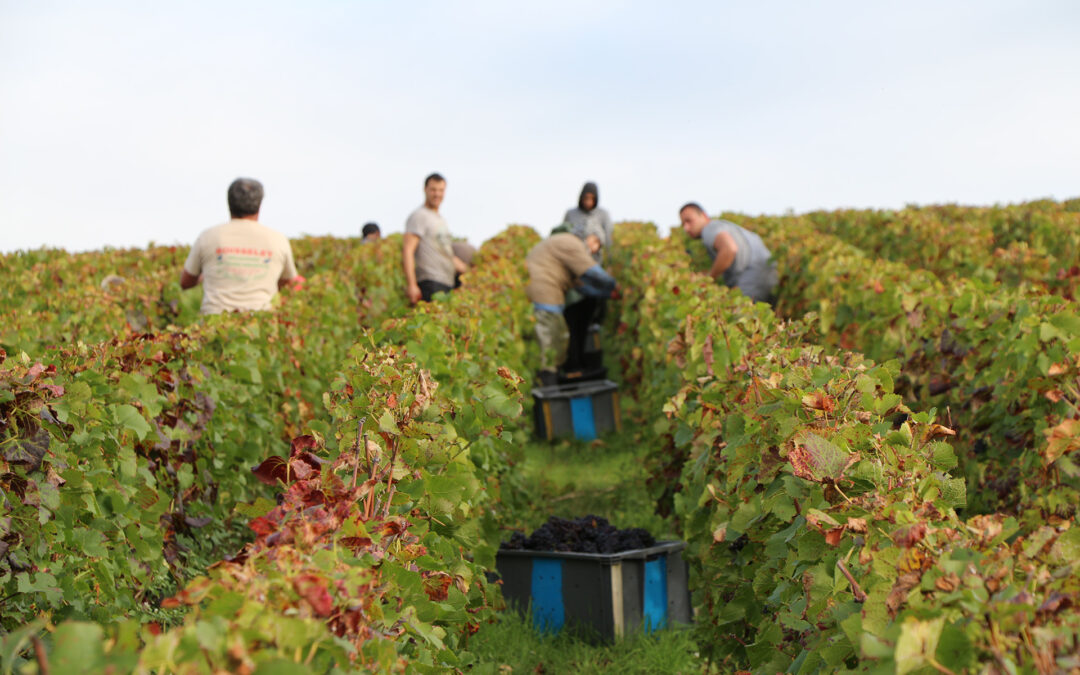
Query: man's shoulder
{"type": "Point", "coordinates": [213, 231]}
{"type": "Point", "coordinates": [568, 242]}
{"type": "Point", "coordinates": [423, 212]}
{"type": "Point", "coordinates": [718, 225]}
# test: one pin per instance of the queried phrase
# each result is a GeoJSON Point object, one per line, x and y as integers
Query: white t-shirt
{"type": "Point", "coordinates": [241, 262]}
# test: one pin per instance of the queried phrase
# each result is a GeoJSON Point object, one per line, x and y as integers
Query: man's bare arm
{"type": "Point", "coordinates": [188, 280]}
{"type": "Point", "coordinates": [408, 265]}
{"type": "Point", "coordinates": [459, 265]}
{"type": "Point", "coordinates": [725, 254]}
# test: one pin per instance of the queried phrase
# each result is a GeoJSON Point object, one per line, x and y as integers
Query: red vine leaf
{"type": "Point", "coordinates": [313, 589]}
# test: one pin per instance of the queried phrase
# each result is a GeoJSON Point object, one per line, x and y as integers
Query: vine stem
{"type": "Point", "coordinates": [390, 480]}
{"type": "Point", "coordinates": [856, 590]}
{"type": "Point", "coordinates": [39, 654]}
{"type": "Point", "coordinates": [359, 447]}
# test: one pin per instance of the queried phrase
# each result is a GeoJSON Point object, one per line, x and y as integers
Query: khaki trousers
{"type": "Point", "coordinates": [554, 336]}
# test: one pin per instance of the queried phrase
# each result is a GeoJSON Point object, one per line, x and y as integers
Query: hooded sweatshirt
{"type": "Point", "coordinates": [594, 221]}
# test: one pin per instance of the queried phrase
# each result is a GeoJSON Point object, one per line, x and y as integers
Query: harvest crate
{"type": "Point", "coordinates": [605, 595]}
{"type": "Point", "coordinates": [583, 410]}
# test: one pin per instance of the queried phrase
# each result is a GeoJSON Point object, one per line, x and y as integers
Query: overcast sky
{"type": "Point", "coordinates": [124, 122]}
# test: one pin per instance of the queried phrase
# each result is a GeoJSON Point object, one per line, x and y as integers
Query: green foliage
{"type": "Point", "coordinates": [371, 555]}
{"type": "Point", "coordinates": [1002, 361]}
{"type": "Point", "coordinates": [1031, 246]}
{"type": "Point", "coordinates": [819, 511]}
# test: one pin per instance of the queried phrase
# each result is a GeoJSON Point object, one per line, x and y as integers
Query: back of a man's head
{"type": "Point", "coordinates": [245, 197]}
{"type": "Point", "coordinates": [370, 229]}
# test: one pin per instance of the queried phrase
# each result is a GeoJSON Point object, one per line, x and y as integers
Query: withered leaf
{"type": "Point", "coordinates": [1062, 439]}
{"type": "Point", "coordinates": [899, 592]}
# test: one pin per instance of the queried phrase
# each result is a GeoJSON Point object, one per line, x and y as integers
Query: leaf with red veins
{"type": "Point", "coordinates": [272, 470]}
{"type": "Point", "coordinates": [817, 459]}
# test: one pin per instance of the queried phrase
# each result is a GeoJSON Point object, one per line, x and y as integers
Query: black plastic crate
{"type": "Point", "coordinates": [605, 595]}
{"type": "Point", "coordinates": [583, 410]}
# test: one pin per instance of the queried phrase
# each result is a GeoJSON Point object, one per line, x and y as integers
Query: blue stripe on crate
{"type": "Point", "coordinates": [548, 614]}
{"type": "Point", "coordinates": [581, 413]}
{"type": "Point", "coordinates": [655, 609]}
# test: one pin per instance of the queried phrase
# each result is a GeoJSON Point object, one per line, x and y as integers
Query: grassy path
{"type": "Point", "coordinates": [571, 479]}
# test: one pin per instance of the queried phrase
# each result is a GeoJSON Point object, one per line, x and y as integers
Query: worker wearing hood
{"type": "Point", "coordinates": [588, 218]}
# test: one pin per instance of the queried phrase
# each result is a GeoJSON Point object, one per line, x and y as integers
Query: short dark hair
{"type": "Point", "coordinates": [692, 205]}
{"type": "Point", "coordinates": [437, 177]}
{"type": "Point", "coordinates": [245, 197]}
{"type": "Point", "coordinates": [370, 228]}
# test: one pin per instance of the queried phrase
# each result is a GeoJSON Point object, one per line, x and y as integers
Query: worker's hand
{"type": "Point", "coordinates": [298, 282]}
{"type": "Point", "coordinates": [413, 291]}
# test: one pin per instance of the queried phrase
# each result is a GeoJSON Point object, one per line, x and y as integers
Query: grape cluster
{"type": "Point", "coordinates": [588, 534]}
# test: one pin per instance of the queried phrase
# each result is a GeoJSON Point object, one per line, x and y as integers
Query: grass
{"type": "Point", "coordinates": [513, 646]}
{"type": "Point", "coordinates": [571, 479]}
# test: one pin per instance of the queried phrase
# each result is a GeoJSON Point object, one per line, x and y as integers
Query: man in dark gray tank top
{"type": "Point", "coordinates": [739, 256]}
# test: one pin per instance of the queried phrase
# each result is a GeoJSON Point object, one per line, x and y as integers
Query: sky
{"type": "Point", "coordinates": [122, 123]}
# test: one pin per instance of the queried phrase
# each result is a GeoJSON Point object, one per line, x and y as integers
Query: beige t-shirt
{"type": "Point", "coordinates": [554, 265]}
{"type": "Point", "coordinates": [434, 255]}
{"type": "Point", "coordinates": [241, 262]}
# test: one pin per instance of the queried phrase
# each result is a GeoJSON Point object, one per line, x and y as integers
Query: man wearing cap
{"type": "Point", "coordinates": [557, 264]}
{"type": "Point", "coordinates": [242, 263]}
{"type": "Point", "coordinates": [740, 259]}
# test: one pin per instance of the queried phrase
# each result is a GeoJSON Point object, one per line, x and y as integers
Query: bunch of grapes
{"type": "Point", "coordinates": [588, 534]}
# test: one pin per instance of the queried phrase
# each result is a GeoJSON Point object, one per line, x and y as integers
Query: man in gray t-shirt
{"type": "Point", "coordinates": [739, 256]}
{"type": "Point", "coordinates": [427, 257]}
